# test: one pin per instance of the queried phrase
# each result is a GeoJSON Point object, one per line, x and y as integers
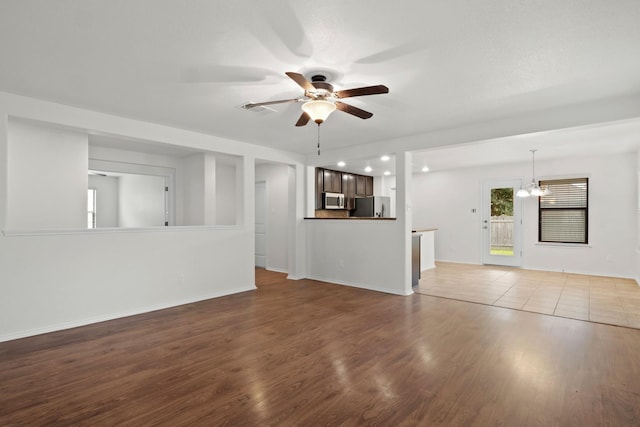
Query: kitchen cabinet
{"type": "Point", "coordinates": [349, 184]}
{"type": "Point", "coordinates": [349, 190]}
{"type": "Point", "coordinates": [368, 186]}
{"type": "Point", "coordinates": [327, 181]}
{"type": "Point", "coordinates": [319, 187]}
{"type": "Point", "coordinates": [332, 181]}
{"type": "Point", "coordinates": [364, 186]}
{"type": "Point", "coordinates": [360, 187]}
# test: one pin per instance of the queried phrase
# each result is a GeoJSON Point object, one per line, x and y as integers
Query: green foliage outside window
{"type": "Point", "coordinates": [502, 202]}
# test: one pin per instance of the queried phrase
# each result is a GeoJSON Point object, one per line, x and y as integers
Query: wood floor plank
{"type": "Point", "coordinates": [312, 353]}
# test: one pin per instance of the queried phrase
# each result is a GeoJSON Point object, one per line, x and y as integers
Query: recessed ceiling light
{"type": "Point", "coordinates": [384, 158]}
{"type": "Point", "coordinates": [368, 169]}
{"type": "Point", "coordinates": [425, 169]}
{"type": "Point", "coordinates": [341, 164]}
{"type": "Point", "coordinates": [387, 173]}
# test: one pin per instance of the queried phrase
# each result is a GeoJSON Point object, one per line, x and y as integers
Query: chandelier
{"type": "Point", "coordinates": [533, 189]}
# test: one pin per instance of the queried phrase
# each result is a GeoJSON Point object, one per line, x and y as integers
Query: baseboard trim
{"type": "Point", "coordinates": [277, 270]}
{"type": "Point", "coordinates": [112, 316]}
{"type": "Point", "coordinates": [525, 267]}
{"type": "Point", "coordinates": [359, 285]}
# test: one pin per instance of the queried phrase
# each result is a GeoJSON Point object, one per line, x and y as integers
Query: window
{"type": "Point", "coordinates": [91, 208]}
{"type": "Point", "coordinates": [563, 215]}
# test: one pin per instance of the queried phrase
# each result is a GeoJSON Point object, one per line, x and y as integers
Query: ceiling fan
{"type": "Point", "coordinates": [320, 99]}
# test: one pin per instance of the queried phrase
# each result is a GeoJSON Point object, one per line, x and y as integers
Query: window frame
{"type": "Point", "coordinates": [585, 209]}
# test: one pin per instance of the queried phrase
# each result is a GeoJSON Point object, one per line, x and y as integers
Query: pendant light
{"type": "Point", "coordinates": [318, 109]}
{"type": "Point", "coordinates": [533, 189]}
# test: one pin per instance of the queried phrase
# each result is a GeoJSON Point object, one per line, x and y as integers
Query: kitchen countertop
{"type": "Point", "coordinates": [422, 230]}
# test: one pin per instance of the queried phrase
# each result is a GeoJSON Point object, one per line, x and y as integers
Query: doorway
{"type": "Point", "coordinates": [501, 223]}
{"type": "Point", "coordinates": [261, 224]}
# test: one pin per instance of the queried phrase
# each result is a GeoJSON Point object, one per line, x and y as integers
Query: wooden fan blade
{"type": "Point", "coordinates": [353, 110]}
{"type": "Point", "coordinates": [260, 104]}
{"type": "Point", "coordinates": [361, 91]}
{"type": "Point", "coordinates": [301, 80]}
{"type": "Point", "coordinates": [303, 120]}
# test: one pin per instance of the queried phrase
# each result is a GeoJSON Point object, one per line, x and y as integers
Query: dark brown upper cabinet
{"type": "Point", "coordinates": [368, 186]}
{"type": "Point", "coordinates": [350, 184]}
{"type": "Point", "coordinates": [332, 181]}
{"type": "Point", "coordinates": [364, 186]}
{"type": "Point", "coordinates": [349, 190]}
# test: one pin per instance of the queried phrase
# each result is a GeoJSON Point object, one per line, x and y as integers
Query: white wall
{"type": "Point", "coordinates": [225, 194]}
{"type": "Point", "coordinates": [106, 199]}
{"type": "Point", "coordinates": [141, 201]}
{"type": "Point", "coordinates": [277, 185]}
{"type": "Point", "coordinates": [47, 178]}
{"type": "Point", "coordinates": [209, 193]}
{"type": "Point", "coordinates": [445, 200]}
{"type": "Point", "coordinates": [192, 189]}
{"type": "Point", "coordinates": [362, 253]}
{"type": "Point", "coordinates": [637, 201]}
{"type": "Point", "coordinates": [52, 280]}
{"type": "Point", "coordinates": [128, 162]}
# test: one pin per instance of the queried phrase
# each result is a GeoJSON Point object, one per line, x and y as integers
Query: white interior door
{"type": "Point", "coordinates": [501, 223]}
{"type": "Point", "coordinates": [261, 224]}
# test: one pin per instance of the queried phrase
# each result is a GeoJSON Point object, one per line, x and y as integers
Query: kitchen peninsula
{"type": "Point", "coordinates": [427, 247]}
{"type": "Point", "coordinates": [369, 248]}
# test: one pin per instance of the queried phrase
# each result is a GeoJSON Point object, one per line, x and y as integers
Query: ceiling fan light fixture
{"type": "Point", "coordinates": [318, 110]}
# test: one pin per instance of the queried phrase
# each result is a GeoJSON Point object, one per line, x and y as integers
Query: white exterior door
{"type": "Point", "coordinates": [501, 223]}
{"type": "Point", "coordinates": [261, 224]}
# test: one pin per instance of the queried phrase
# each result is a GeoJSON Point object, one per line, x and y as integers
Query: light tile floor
{"type": "Point", "coordinates": [599, 299]}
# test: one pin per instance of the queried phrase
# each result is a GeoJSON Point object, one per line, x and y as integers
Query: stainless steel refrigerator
{"type": "Point", "coordinates": [373, 207]}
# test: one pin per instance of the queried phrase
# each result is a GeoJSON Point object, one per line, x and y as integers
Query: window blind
{"type": "Point", "coordinates": [563, 214]}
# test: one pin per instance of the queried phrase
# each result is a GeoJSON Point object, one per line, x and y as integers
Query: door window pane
{"type": "Point", "coordinates": [501, 224]}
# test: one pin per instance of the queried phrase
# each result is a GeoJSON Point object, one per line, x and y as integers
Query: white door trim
{"type": "Point", "coordinates": [261, 221]}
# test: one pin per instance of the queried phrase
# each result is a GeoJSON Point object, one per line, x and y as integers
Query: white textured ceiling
{"type": "Point", "coordinates": [447, 63]}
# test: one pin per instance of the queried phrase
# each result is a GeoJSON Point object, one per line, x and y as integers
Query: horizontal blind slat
{"type": "Point", "coordinates": [563, 213]}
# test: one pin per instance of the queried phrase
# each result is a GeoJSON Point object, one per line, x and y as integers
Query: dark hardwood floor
{"type": "Point", "coordinates": [309, 353]}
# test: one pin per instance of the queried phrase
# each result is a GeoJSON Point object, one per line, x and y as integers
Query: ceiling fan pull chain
{"type": "Point", "coordinates": [318, 139]}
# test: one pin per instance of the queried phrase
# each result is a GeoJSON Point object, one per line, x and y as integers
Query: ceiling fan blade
{"type": "Point", "coordinates": [260, 104]}
{"type": "Point", "coordinates": [361, 91]}
{"type": "Point", "coordinates": [301, 80]}
{"type": "Point", "coordinates": [303, 120]}
{"type": "Point", "coordinates": [355, 111]}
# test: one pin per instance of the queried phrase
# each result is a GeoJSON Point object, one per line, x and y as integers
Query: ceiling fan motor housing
{"type": "Point", "coordinates": [323, 89]}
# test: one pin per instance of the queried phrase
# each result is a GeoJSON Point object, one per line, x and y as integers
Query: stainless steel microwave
{"type": "Point", "coordinates": [333, 200]}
